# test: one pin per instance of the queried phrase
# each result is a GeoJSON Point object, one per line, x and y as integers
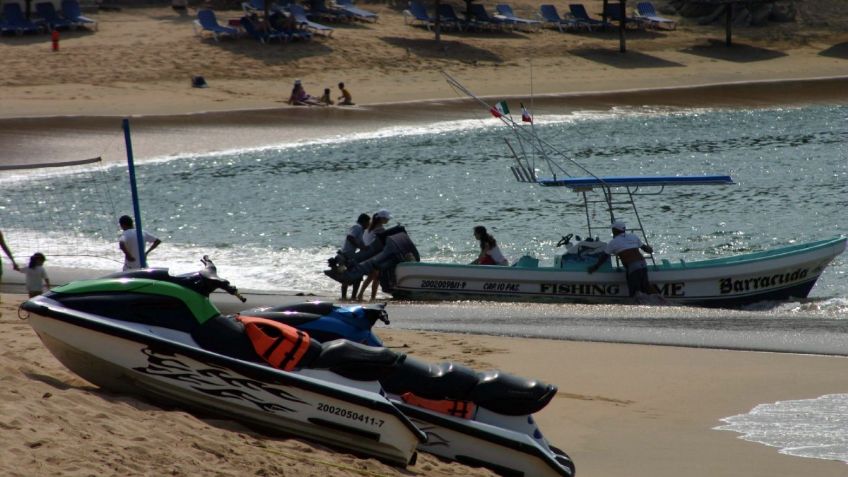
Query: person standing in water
{"type": "Point", "coordinates": [353, 242]}
{"type": "Point", "coordinates": [128, 243]}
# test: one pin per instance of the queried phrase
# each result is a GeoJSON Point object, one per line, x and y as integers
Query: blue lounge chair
{"type": "Point", "coordinates": [300, 17]}
{"type": "Point", "coordinates": [47, 12]}
{"type": "Point", "coordinates": [15, 22]}
{"type": "Point", "coordinates": [261, 36]}
{"type": "Point", "coordinates": [550, 17]}
{"type": "Point", "coordinates": [480, 18]}
{"type": "Point", "coordinates": [417, 14]}
{"type": "Point", "coordinates": [71, 10]}
{"type": "Point", "coordinates": [647, 11]}
{"type": "Point", "coordinates": [279, 23]}
{"type": "Point", "coordinates": [578, 11]}
{"type": "Point", "coordinates": [448, 15]}
{"type": "Point", "coordinates": [505, 12]}
{"type": "Point", "coordinates": [208, 22]}
{"type": "Point", "coordinates": [319, 10]}
{"type": "Point", "coordinates": [358, 13]}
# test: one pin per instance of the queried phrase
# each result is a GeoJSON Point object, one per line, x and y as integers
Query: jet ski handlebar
{"type": "Point", "coordinates": [213, 282]}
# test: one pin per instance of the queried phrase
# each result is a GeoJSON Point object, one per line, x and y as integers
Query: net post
{"type": "Point", "coordinates": [142, 260]}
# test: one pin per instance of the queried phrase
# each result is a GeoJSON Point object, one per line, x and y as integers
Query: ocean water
{"type": "Point", "coordinates": [271, 216]}
{"type": "Point", "coordinates": [816, 428]}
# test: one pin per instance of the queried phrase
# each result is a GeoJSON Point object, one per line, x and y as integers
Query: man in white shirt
{"type": "Point", "coordinates": [352, 243]}
{"type": "Point", "coordinates": [128, 242]}
{"type": "Point", "coordinates": [627, 246]}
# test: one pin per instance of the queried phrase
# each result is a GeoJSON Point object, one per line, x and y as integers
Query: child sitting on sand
{"type": "Point", "coordinates": [326, 100]}
{"type": "Point", "coordinates": [345, 99]}
{"type": "Point", "coordinates": [35, 274]}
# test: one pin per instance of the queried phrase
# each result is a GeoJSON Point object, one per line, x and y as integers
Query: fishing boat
{"type": "Point", "coordinates": [779, 274]}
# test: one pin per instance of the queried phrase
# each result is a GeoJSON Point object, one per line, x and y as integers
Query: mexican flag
{"type": "Point", "coordinates": [525, 115]}
{"type": "Point", "coordinates": [500, 109]}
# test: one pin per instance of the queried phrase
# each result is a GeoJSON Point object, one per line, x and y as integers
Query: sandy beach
{"type": "Point", "coordinates": [622, 410]}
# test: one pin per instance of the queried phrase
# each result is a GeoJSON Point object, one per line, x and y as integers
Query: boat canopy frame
{"type": "Point", "coordinates": [532, 149]}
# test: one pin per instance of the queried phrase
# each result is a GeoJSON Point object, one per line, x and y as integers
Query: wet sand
{"type": "Point", "coordinates": [621, 410]}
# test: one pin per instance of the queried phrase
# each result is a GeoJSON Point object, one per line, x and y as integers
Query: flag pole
{"type": "Point", "coordinates": [142, 260]}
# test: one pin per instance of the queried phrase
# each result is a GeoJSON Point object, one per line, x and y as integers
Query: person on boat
{"type": "Point", "coordinates": [490, 253]}
{"type": "Point", "coordinates": [128, 243]}
{"type": "Point", "coordinates": [378, 221]}
{"type": "Point", "coordinates": [352, 243]}
{"type": "Point", "coordinates": [626, 246]}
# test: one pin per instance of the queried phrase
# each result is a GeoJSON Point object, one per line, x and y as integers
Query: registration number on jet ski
{"type": "Point", "coordinates": [352, 415]}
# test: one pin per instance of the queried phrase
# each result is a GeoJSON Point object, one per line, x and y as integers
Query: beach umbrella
{"type": "Point", "coordinates": [622, 24]}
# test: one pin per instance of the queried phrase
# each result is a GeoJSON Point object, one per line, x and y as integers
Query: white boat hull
{"type": "Point", "coordinates": [508, 445]}
{"type": "Point", "coordinates": [359, 420]}
{"type": "Point", "coordinates": [727, 282]}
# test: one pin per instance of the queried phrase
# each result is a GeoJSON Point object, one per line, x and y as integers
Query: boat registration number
{"type": "Point", "coordinates": [349, 414]}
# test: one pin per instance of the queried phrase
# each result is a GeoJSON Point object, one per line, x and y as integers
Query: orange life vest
{"type": "Point", "coordinates": [281, 345]}
{"type": "Point", "coordinates": [452, 407]}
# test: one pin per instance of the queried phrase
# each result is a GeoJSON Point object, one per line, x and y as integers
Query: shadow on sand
{"type": "Point", "coordinates": [738, 53]}
{"type": "Point", "coordinates": [839, 50]}
{"type": "Point", "coordinates": [629, 60]}
{"type": "Point", "coordinates": [456, 50]}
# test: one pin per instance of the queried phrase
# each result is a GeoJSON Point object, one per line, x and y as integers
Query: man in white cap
{"type": "Point", "coordinates": [626, 246]}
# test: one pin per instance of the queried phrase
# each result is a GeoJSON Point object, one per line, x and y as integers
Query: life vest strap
{"type": "Point", "coordinates": [451, 407]}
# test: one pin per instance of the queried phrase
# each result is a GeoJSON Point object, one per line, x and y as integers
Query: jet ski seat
{"type": "Point", "coordinates": [499, 392]}
{"type": "Point", "coordinates": [357, 361]}
{"type": "Point", "coordinates": [512, 395]}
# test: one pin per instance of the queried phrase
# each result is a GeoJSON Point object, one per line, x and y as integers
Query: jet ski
{"type": "Point", "coordinates": [150, 333]}
{"type": "Point", "coordinates": [146, 332]}
{"type": "Point", "coordinates": [479, 419]}
{"type": "Point", "coordinates": [391, 247]}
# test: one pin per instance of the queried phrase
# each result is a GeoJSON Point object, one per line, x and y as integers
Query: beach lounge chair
{"type": "Point", "coordinates": [417, 14]}
{"type": "Point", "coordinates": [647, 11]}
{"type": "Point", "coordinates": [47, 12]}
{"type": "Point", "coordinates": [550, 17]}
{"type": "Point", "coordinates": [71, 10]}
{"type": "Point", "coordinates": [578, 11]}
{"type": "Point", "coordinates": [15, 22]}
{"type": "Point", "coordinates": [318, 10]}
{"type": "Point", "coordinates": [358, 13]}
{"type": "Point", "coordinates": [278, 23]}
{"type": "Point", "coordinates": [447, 15]}
{"type": "Point", "coordinates": [506, 13]}
{"type": "Point", "coordinates": [261, 36]}
{"type": "Point", "coordinates": [481, 19]}
{"type": "Point", "coordinates": [300, 17]}
{"type": "Point", "coordinates": [208, 22]}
